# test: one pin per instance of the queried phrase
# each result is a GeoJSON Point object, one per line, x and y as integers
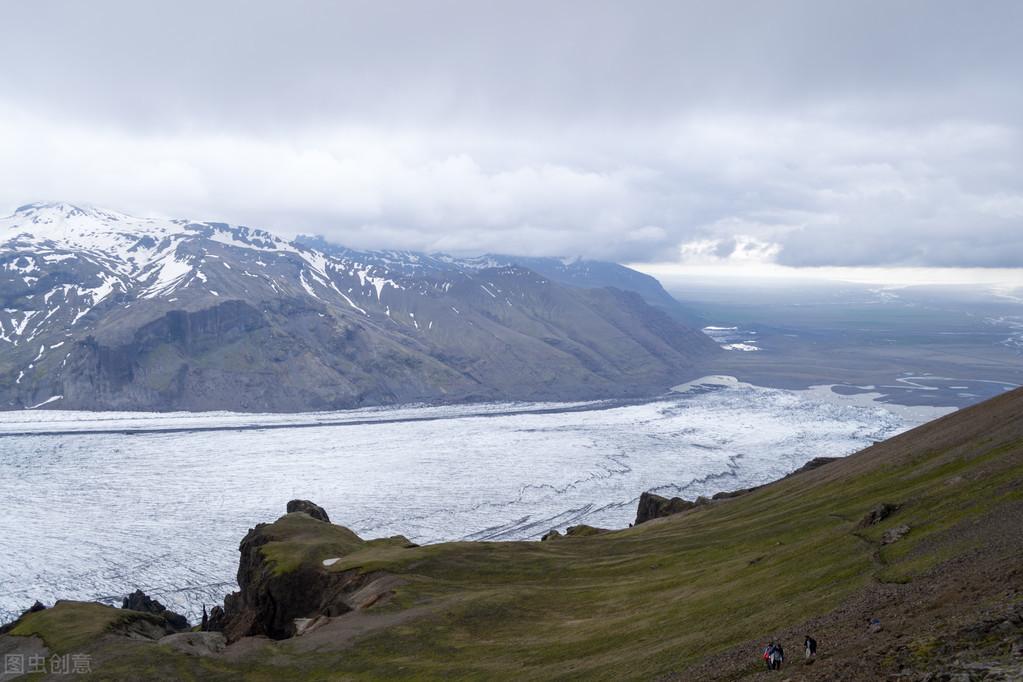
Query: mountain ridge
{"type": "Point", "coordinates": [100, 310]}
{"type": "Point", "coordinates": [578, 272]}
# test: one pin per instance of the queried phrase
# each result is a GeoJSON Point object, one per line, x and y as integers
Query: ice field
{"type": "Point", "coordinates": [99, 504]}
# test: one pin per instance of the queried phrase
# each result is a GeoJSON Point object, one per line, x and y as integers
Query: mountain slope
{"type": "Point", "coordinates": [691, 596]}
{"type": "Point", "coordinates": [100, 310]}
{"type": "Point", "coordinates": [596, 274]}
{"type": "Point", "coordinates": [582, 273]}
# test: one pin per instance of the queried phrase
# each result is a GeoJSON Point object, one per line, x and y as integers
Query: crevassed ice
{"type": "Point", "coordinates": [164, 512]}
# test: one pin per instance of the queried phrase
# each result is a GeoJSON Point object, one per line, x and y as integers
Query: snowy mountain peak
{"type": "Point", "coordinates": [42, 208]}
{"type": "Point", "coordinates": [60, 212]}
{"type": "Point", "coordinates": [76, 226]}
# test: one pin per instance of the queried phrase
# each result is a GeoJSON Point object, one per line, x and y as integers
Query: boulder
{"type": "Point", "coordinates": [653, 506]}
{"type": "Point", "coordinates": [879, 514]}
{"type": "Point", "coordinates": [550, 535]}
{"type": "Point", "coordinates": [306, 507]}
{"type": "Point", "coordinates": [140, 601]}
{"type": "Point", "coordinates": [894, 534]}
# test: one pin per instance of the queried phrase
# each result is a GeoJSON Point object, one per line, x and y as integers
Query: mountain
{"type": "Point", "coordinates": [576, 272]}
{"type": "Point", "coordinates": [902, 561]}
{"type": "Point", "coordinates": [101, 310]}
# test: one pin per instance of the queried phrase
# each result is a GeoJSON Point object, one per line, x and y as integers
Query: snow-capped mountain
{"type": "Point", "coordinates": [576, 272]}
{"type": "Point", "coordinates": [101, 310]}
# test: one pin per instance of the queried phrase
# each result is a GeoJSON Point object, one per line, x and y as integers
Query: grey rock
{"type": "Point", "coordinates": [879, 514]}
{"type": "Point", "coordinates": [306, 507]}
{"type": "Point", "coordinates": [217, 620]}
{"type": "Point", "coordinates": [140, 601]}
{"type": "Point", "coordinates": [894, 534]}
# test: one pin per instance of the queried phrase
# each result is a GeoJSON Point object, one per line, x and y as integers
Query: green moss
{"type": "Point", "coordinates": [70, 625]}
{"type": "Point", "coordinates": [299, 539]}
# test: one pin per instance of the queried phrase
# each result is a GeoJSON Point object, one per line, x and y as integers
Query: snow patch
{"type": "Point", "coordinates": [46, 402]}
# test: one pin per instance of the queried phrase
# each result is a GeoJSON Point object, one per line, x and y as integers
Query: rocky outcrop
{"type": "Point", "coordinates": [310, 508]}
{"type": "Point", "coordinates": [217, 620]}
{"type": "Point", "coordinates": [140, 601]}
{"type": "Point", "coordinates": [286, 574]}
{"type": "Point", "coordinates": [214, 621]}
{"type": "Point", "coordinates": [653, 506]}
{"type": "Point", "coordinates": [878, 514]}
{"type": "Point", "coordinates": [552, 534]}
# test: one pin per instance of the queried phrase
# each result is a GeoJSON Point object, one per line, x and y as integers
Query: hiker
{"type": "Point", "coordinates": [767, 654]}
{"type": "Point", "coordinates": [811, 647]}
{"type": "Point", "coordinates": [777, 656]}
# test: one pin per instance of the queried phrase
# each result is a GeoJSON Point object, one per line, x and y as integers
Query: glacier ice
{"type": "Point", "coordinates": [126, 501]}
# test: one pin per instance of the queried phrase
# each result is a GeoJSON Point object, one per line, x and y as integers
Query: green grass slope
{"type": "Point", "coordinates": [703, 586]}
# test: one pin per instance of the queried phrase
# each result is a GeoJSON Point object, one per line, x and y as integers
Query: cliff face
{"type": "Point", "coordinates": [284, 577]}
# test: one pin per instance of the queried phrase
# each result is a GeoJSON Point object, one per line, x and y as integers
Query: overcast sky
{"type": "Point", "coordinates": [799, 133]}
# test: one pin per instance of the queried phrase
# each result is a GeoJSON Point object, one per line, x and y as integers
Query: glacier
{"type": "Point", "coordinates": [99, 504]}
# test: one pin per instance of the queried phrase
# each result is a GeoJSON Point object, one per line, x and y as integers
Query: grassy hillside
{"type": "Point", "coordinates": [688, 597]}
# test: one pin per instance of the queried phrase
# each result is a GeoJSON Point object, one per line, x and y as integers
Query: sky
{"type": "Point", "coordinates": [729, 136]}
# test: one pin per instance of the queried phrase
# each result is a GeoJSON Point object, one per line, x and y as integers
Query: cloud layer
{"type": "Point", "coordinates": [801, 133]}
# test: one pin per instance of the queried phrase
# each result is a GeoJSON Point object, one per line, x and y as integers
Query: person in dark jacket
{"type": "Point", "coordinates": [777, 656]}
{"type": "Point", "coordinates": [810, 646]}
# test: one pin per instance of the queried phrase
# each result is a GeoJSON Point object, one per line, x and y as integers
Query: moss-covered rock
{"type": "Point", "coordinates": [69, 625]}
{"type": "Point", "coordinates": [284, 574]}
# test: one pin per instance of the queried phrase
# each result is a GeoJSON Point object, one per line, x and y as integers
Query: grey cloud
{"type": "Point", "coordinates": [725, 248]}
{"type": "Point", "coordinates": [870, 133]}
